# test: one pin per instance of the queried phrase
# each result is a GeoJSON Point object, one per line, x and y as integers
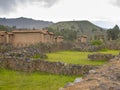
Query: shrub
{"type": "Point", "coordinates": [96, 42]}
{"type": "Point", "coordinates": [104, 49]}
{"type": "Point", "coordinates": [42, 56]}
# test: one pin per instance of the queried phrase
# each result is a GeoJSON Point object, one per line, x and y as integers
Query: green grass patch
{"type": "Point", "coordinates": [113, 52]}
{"type": "Point", "coordinates": [96, 42]}
{"type": "Point", "coordinates": [76, 57]}
{"type": "Point", "coordinates": [14, 80]}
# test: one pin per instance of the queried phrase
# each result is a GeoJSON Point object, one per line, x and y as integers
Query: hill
{"type": "Point", "coordinates": [24, 23]}
{"type": "Point", "coordinates": [71, 29]}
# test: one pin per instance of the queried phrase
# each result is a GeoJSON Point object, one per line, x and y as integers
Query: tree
{"type": "Point", "coordinates": [113, 33]}
{"type": "Point", "coordinates": [116, 27]}
{"type": "Point", "coordinates": [14, 27]}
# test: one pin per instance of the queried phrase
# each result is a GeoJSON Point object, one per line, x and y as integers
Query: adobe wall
{"type": "Point", "coordinates": [25, 39]}
{"type": "Point", "coordinates": [84, 39]}
{"type": "Point", "coordinates": [44, 66]}
{"type": "Point", "coordinates": [22, 38]}
{"type": "Point", "coordinates": [59, 39]}
{"type": "Point", "coordinates": [3, 37]}
{"type": "Point", "coordinates": [10, 38]}
{"type": "Point", "coordinates": [46, 38]}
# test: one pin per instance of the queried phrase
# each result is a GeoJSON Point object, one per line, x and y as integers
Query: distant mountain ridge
{"type": "Point", "coordinates": [24, 23]}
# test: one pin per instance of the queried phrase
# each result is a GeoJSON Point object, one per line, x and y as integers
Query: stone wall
{"type": "Point", "coordinates": [113, 45]}
{"type": "Point", "coordinates": [44, 66]}
{"type": "Point", "coordinates": [85, 47]}
{"type": "Point", "coordinates": [106, 77]}
{"type": "Point", "coordinates": [99, 56]}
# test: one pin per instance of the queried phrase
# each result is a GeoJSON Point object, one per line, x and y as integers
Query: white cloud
{"type": "Point", "coordinates": [115, 3]}
{"type": "Point", "coordinates": [92, 10]}
{"type": "Point", "coordinates": [7, 6]}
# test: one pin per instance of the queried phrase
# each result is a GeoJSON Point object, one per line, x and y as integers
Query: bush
{"type": "Point", "coordinates": [42, 56]}
{"type": "Point", "coordinates": [96, 42]}
{"type": "Point", "coordinates": [104, 49]}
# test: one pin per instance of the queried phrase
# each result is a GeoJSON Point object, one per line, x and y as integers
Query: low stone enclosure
{"type": "Point", "coordinates": [31, 65]}
{"type": "Point", "coordinates": [9, 60]}
{"type": "Point", "coordinates": [44, 66]}
{"type": "Point", "coordinates": [87, 47]}
{"type": "Point", "coordinates": [100, 56]}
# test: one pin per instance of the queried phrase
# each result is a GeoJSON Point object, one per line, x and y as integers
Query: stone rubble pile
{"type": "Point", "coordinates": [107, 77]}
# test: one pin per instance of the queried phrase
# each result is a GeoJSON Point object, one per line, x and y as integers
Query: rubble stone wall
{"type": "Point", "coordinates": [44, 66]}
{"type": "Point", "coordinates": [99, 56]}
{"type": "Point", "coordinates": [106, 77]}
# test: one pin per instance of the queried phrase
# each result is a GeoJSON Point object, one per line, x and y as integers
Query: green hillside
{"type": "Point", "coordinates": [71, 29]}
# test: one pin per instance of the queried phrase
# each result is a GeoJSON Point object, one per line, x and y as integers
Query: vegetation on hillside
{"type": "Point", "coordinates": [71, 29]}
{"type": "Point", "coordinates": [113, 33]}
{"type": "Point", "coordinates": [96, 42]}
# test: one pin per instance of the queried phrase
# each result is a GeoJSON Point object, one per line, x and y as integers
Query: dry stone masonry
{"type": "Point", "coordinates": [107, 77]}
{"type": "Point", "coordinates": [44, 66]}
{"type": "Point", "coordinates": [100, 56]}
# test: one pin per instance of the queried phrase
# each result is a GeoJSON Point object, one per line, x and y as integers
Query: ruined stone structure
{"type": "Point", "coordinates": [22, 38]}
{"type": "Point", "coordinates": [3, 36]}
{"type": "Point", "coordinates": [30, 65]}
{"type": "Point", "coordinates": [59, 39]}
{"type": "Point", "coordinates": [99, 37]}
{"type": "Point", "coordinates": [106, 77]}
{"type": "Point", "coordinates": [100, 56]}
{"type": "Point", "coordinates": [82, 39]}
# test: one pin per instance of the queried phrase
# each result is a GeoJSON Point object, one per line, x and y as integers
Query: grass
{"type": "Point", "coordinates": [76, 57]}
{"type": "Point", "coordinates": [14, 80]}
{"type": "Point", "coordinates": [113, 52]}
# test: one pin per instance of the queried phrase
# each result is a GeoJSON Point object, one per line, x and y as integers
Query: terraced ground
{"type": "Point", "coordinates": [15, 80]}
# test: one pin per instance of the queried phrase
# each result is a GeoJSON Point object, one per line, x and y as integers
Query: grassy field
{"type": "Point", "coordinates": [75, 57]}
{"type": "Point", "coordinates": [14, 80]}
{"type": "Point", "coordinates": [114, 52]}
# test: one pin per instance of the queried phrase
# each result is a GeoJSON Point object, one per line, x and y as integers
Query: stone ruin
{"type": "Point", "coordinates": [31, 65]}
{"type": "Point", "coordinates": [100, 56]}
{"type": "Point", "coordinates": [106, 77]}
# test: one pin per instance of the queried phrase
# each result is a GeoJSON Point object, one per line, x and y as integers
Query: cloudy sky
{"type": "Point", "coordinates": [102, 12]}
